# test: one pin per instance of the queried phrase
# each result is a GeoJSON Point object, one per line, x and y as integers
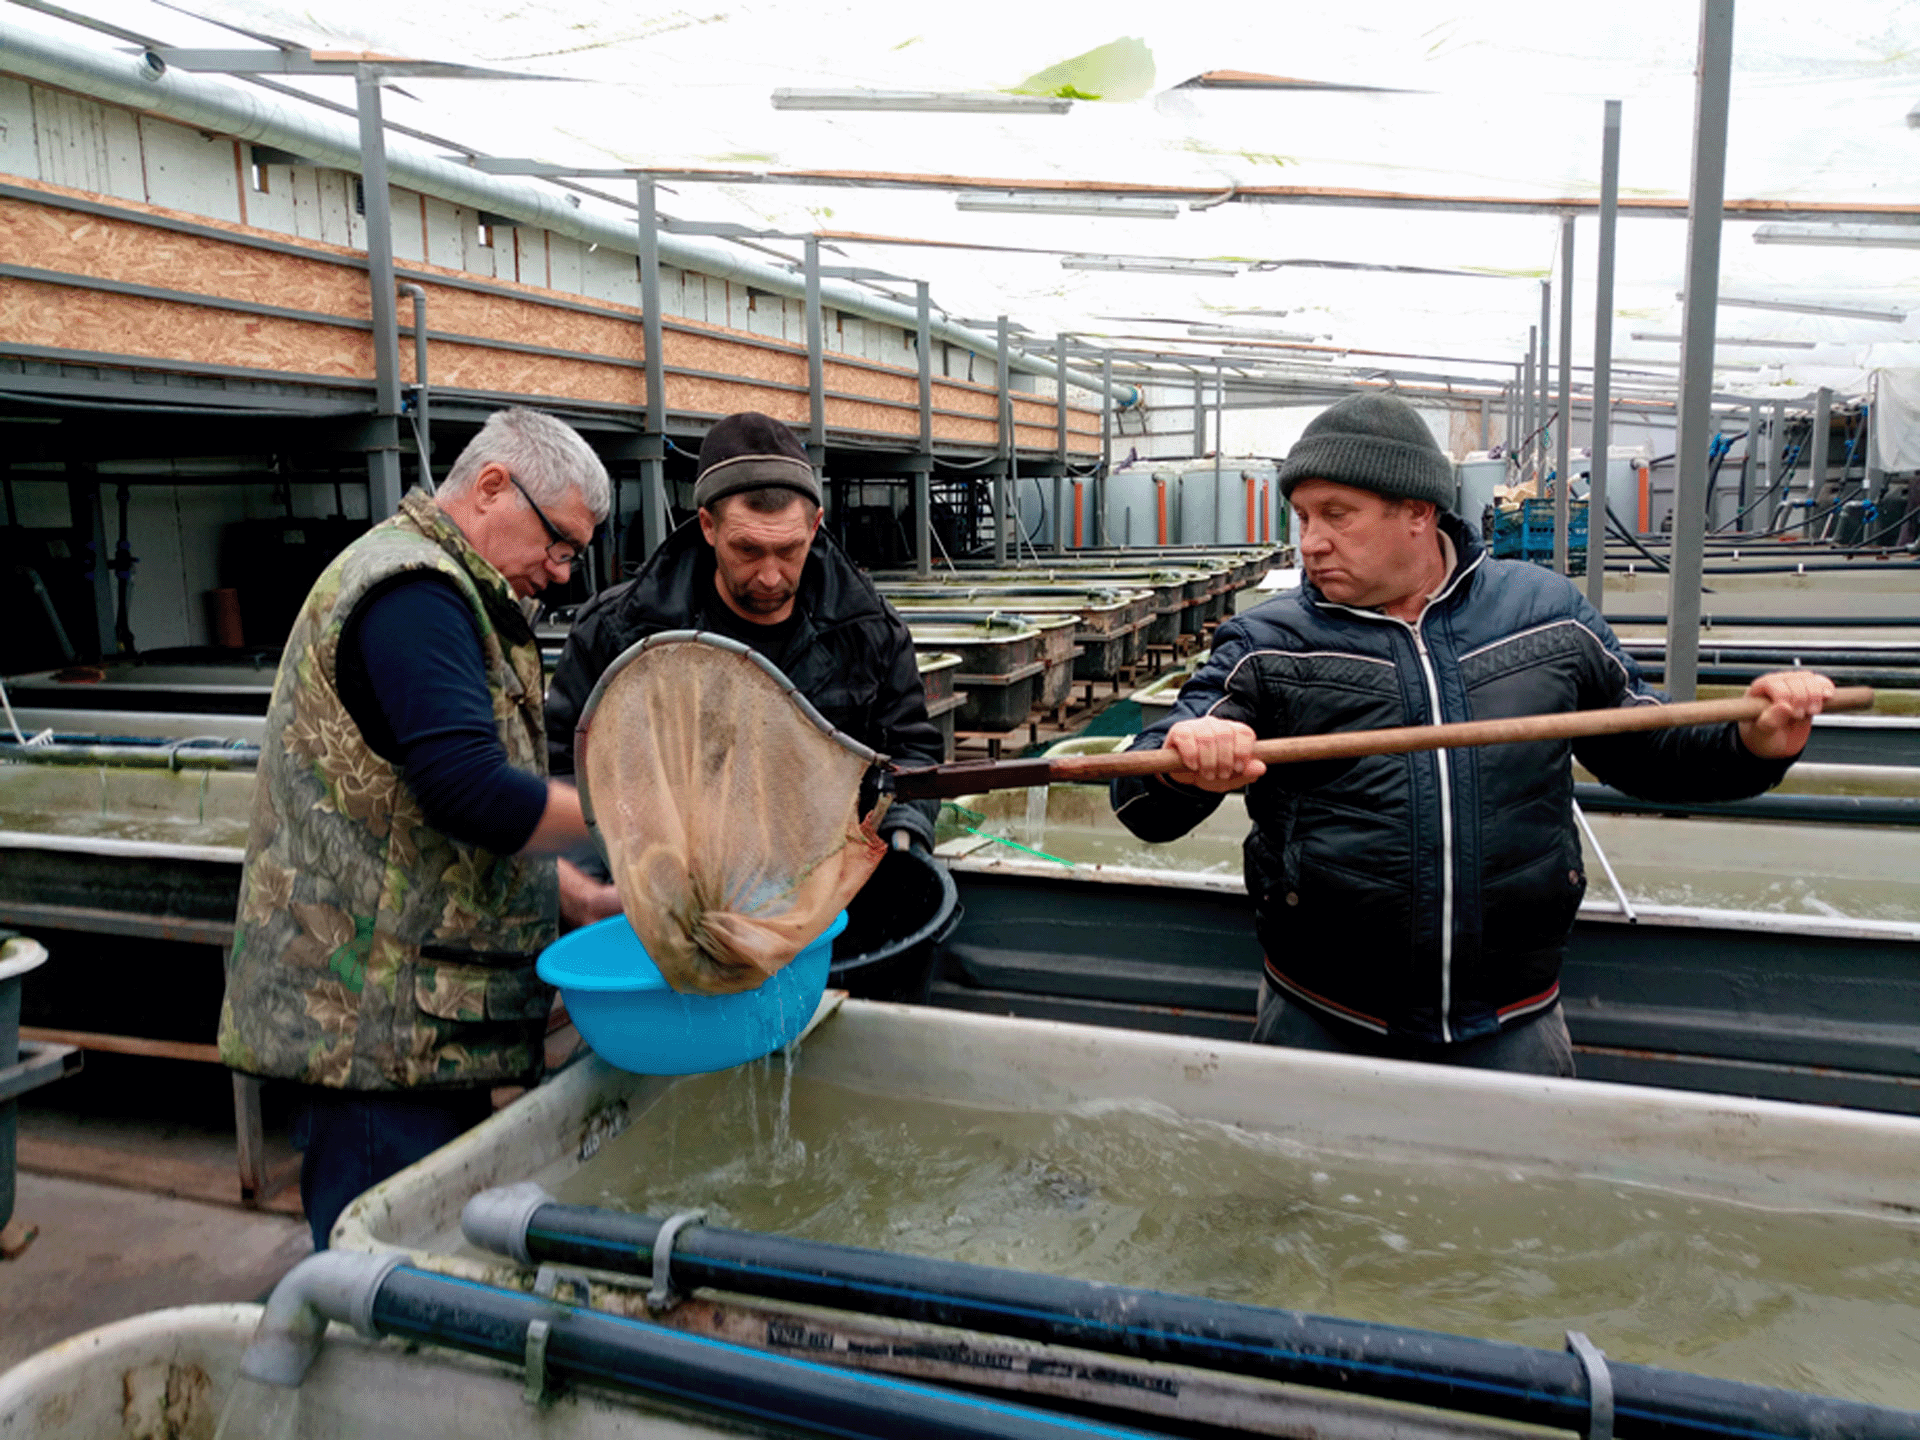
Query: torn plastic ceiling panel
{"type": "Point", "coordinates": [1495, 100]}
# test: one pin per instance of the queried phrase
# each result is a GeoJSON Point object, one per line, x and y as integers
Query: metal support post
{"type": "Point", "coordinates": [1704, 204]}
{"type": "Point", "coordinates": [923, 474]}
{"type": "Point", "coordinates": [1486, 424]}
{"type": "Point", "coordinates": [1522, 445]}
{"type": "Point", "coordinates": [816, 364]}
{"type": "Point", "coordinates": [653, 455]}
{"type": "Point", "coordinates": [1563, 434]}
{"type": "Point", "coordinates": [1542, 416]}
{"type": "Point", "coordinates": [383, 456]}
{"type": "Point", "coordinates": [1776, 462]}
{"type": "Point", "coordinates": [1749, 467]}
{"type": "Point", "coordinates": [1602, 445]}
{"type": "Point", "coordinates": [1060, 491]}
{"type": "Point", "coordinates": [84, 509]}
{"type": "Point", "coordinates": [1002, 500]}
{"type": "Point", "coordinates": [1219, 442]}
{"type": "Point", "coordinates": [1099, 491]}
{"type": "Point", "coordinates": [1199, 417]}
{"type": "Point", "coordinates": [1817, 450]}
{"type": "Point", "coordinates": [1510, 416]}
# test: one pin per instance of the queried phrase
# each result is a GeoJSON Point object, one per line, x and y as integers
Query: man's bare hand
{"type": "Point", "coordinates": [584, 899]}
{"type": "Point", "coordinates": [1214, 754]}
{"type": "Point", "coordinates": [1782, 729]}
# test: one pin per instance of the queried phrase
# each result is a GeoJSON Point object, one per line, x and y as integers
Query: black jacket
{"type": "Point", "coordinates": [849, 654]}
{"type": "Point", "coordinates": [1428, 896]}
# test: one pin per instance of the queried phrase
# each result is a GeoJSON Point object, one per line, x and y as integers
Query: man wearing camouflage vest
{"type": "Point", "coordinates": [399, 881]}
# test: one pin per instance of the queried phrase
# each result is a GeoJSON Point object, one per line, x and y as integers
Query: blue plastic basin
{"type": "Point", "coordinates": [635, 1021]}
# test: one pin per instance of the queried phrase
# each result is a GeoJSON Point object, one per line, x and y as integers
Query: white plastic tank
{"type": "Point", "coordinates": [1478, 475]}
{"type": "Point", "coordinates": [1133, 505]}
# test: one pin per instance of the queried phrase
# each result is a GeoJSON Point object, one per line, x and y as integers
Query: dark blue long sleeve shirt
{"type": "Point", "coordinates": [411, 674]}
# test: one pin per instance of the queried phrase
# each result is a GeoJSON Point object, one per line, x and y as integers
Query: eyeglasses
{"type": "Point", "coordinates": [564, 550]}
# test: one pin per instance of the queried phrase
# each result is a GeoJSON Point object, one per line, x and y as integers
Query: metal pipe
{"type": "Point", "coordinates": [422, 424]}
{"type": "Point", "coordinates": [1777, 476]}
{"type": "Point", "coordinates": [1563, 439]}
{"type": "Point", "coordinates": [653, 440]}
{"type": "Point", "coordinates": [1199, 417]}
{"type": "Point", "coordinates": [1697, 341]}
{"type": "Point", "coordinates": [1818, 443]}
{"type": "Point", "coordinates": [1749, 467]}
{"type": "Point", "coordinates": [383, 455]}
{"type": "Point", "coordinates": [1522, 446]}
{"type": "Point", "coordinates": [1219, 443]}
{"type": "Point", "coordinates": [923, 475]}
{"type": "Point", "coordinates": [1600, 472]}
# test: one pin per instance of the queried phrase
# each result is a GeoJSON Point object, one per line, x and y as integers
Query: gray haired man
{"type": "Point", "coordinates": [399, 880]}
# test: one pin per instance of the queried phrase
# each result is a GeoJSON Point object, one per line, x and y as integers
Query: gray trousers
{"type": "Point", "coordinates": [1535, 1046]}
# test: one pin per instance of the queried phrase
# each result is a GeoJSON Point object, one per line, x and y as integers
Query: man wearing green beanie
{"type": "Point", "coordinates": [1417, 906]}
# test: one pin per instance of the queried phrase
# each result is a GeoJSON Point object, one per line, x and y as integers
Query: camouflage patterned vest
{"type": "Point", "coordinates": [371, 951]}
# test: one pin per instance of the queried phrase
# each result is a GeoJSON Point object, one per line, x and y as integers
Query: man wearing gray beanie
{"type": "Point", "coordinates": [1417, 906]}
{"type": "Point", "coordinates": [754, 564]}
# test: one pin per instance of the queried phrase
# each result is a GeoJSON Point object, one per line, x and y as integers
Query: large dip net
{"type": "Point", "coordinates": [728, 808]}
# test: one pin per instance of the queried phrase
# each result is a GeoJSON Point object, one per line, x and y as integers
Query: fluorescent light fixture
{"type": "Point", "coordinates": [1808, 307]}
{"type": "Point", "coordinates": [1149, 265]}
{"type": "Point", "coordinates": [1758, 342]}
{"type": "Point", "coordinates": [1675, 364]}
{"type": "Point", "coordinates": [1118, 206]}
{"type": "Point", "coordinates": [1893, 236]}
{"type": "Point", "coordinates": [958, 102]}
{"type": "Point", "coordinates": [1244, 332]}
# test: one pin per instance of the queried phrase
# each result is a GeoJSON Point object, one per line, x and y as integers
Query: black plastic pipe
{"type": "Point", "coordinates": [1785, 622]}
{"type": "Point", "coordinates": [1450, 1372]}
{"type": "Point", "coordinates": [1901, 810]}
{"type": "Point", "coordinates": [1723, 674]}
{"type": "Point", "coordinates": [1755, 652]}
{"type": "Point", "coordinates": [771, 1389]}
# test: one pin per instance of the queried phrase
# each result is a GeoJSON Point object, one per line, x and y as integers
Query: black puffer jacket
{"type": "Point", "coordinates": [850, 654]}
{"type": "Point", "coordinates": [1428, 896]}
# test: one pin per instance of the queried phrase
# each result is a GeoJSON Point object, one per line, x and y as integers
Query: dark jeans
{"type": "Point", "coordinates": [1535, 1046]}
{"type": "Point", "coordinates": [354, 1139]}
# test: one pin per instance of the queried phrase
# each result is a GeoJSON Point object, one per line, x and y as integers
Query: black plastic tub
{"type": "Point", "coordinates": [895, 927]}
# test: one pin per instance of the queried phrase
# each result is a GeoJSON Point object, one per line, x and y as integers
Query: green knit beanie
{"type": "Point", "coordinates": [1373, 442]}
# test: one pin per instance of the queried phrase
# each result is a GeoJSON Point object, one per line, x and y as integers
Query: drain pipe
{"type": "Point", "coordinates": [332, 1285]}
{"type": "Point", "coordinates": [1422, 1367]}
{"type": "Point", "coordinates": [144, 82]}
{"type": "Point", "coordinates": [382, 1296]}
{"type": "Point", "coordinates": [422, 433]}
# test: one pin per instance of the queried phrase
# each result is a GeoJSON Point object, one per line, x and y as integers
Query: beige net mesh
{"type": "Point", "coordinates": [728, 810]}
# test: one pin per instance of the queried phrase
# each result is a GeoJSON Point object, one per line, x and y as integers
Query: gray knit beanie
{"type": "Point", "coordinates": [751, 451]}
{"type": "Point", "coordinates": [1373, 442]}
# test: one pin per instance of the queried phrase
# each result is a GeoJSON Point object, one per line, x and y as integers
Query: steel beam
{"type": "Point", "coordinates": [1776, 492]}
{"type": "Point", "coordinates": [1543, 416]}
{"type": "Point", "coordinates": [923, 474]}
{"type": "Point", "coordinates": [1563, 435]}
{"type": "Point", "coordinates": [1600, 471]}
{"type": "Point", "coordinates": [1060, 488]}
{"type": "Point", "coordinates": [1098, 495]}
{"type": "Point", "coordinates": [1817, 445]}
{"type": "Point", "coordinates": [816, 363]}
{"type": "Point", "coordinates": [1199, 417]}
{"type": "Point", "coordinates": [1696, 422]}
{"type": "Point", "coordinates": [1002, 496]}
{"type": "Point", "coordinates": [383, 459]}
{"type": "Point", "coordinates": [1219, 442]}
{"type": "Point", "coordinates": [653, 454]}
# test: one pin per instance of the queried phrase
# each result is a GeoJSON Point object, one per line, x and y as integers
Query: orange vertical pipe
{"type": "Point", "coordinates": [1646, 500]}
{"type": "Point", "coordinates": [1076, 514]}
{"type": "Point", "coordinates": [1264, 537]}
{"type": "Point", "coordinates": [1250, 484]}
{"type": "Point", "coordinates": [1160, 497]}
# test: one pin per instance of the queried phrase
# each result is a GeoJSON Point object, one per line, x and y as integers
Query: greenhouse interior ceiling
{"type": "Point", "coordinates": [1273, 188]}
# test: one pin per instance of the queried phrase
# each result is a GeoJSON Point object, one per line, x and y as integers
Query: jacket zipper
{"type": "Point", "coordinates": [1444, 772]}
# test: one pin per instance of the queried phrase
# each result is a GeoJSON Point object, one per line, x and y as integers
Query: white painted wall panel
{"type": "Point", "coordinates": [563, 259]}
{"type": "Point", "coordinates": [763, 315]}
{"type": "Point", "coordinates": [275, 208]}
{"type": "Point", "coordinates": [610, 275]}
{"type": "Point", "coordinates": [19, 155]}
{"type": "Point", "coordinates": [445, 243]}
{"type": "Point", "coordinates": [530, 256]}
{"type": "Point", "coordinates": [494, 259]}
{"type": "Point", "coordinates": [72, 141]}
{"type": "Point", "coordinates": [187, 171]}
{"type": "Point", "coordinates": [673, 295]}
{"type": "Point", "coordinates": [409, 241]}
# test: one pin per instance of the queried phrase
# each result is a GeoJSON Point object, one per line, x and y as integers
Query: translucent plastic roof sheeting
{"type": "Point", "coordinates": [1504, 100]}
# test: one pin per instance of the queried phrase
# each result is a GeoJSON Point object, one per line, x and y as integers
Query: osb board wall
{"type": "Point", "coordinates": [328, 280]}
